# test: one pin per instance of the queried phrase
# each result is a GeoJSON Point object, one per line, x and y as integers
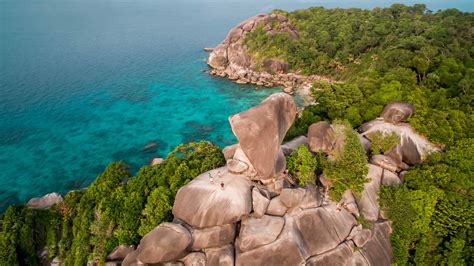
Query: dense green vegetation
{"type": "Point", "coordinates": [383, 142]}
{"type": "Point", "coordinates": [433, 211]}
{"type": "Point", "coordinates": [349, 168]}
{"type": "Point", "coordinates": [401, 53]}
{"type": "Point", "coordinates": [404, 53]}
{"type": "Point", "coordinates": [116, 208]}
{"type": "Point", "coordinates": [304, 166]}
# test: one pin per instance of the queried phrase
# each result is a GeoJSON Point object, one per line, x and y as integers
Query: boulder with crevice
{"type": "Point", "coordinates": [120, 252]}
{"type": "Point", "coordinates": [45, 202]}
{"type": "Point", "coordinates": [312, 198]}
{"type": "Point", "coordinates": [293, 144]}
{"type": "Point", "coordinates": [260, 131]}
{"type": "Point", "coordinates": [194, 259]}
{"type": "Point", "coordinates": [276, 207]}
{"type": "Point", "coordinates": [322, 229]}
{"type": "Point", "coordinates": [256, 232]}
{"type": "Point", "coordinates": [211, 237]}
{"type": "Point", "coordinates": [341, 255]}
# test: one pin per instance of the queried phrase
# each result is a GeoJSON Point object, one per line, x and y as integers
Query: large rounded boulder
{"type": "Point", "coordinates": [167, 242]}
{"type": "Point", "coordinates": [260, 131]}
{"type": "Point", "coordinates": [321, 137]}
{"type": "Point", "coordinates": [206, 202]}
{"type": "Point", "coordinates": [396, 112]}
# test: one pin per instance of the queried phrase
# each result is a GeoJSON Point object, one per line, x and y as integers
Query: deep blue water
{"type": "Point", "coordinates": [85, 83]}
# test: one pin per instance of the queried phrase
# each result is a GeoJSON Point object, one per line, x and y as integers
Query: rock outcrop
{"type": "Point", "coordinates": [321, 137]}
{"type": "Point", "coordinates": [45, 202]}
{"type": "Point", "coordinates": [255, 215]}
{"type": "Point", "coordinates": [232, 59]}
{"type": "Point", "coordinates": [260, 131]}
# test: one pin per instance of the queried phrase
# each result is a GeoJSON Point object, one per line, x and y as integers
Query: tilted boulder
{"type": "Point", "coordinates": [167, 242]}
{"type": "Point", "coordinates": [211, 237]}
{"type": "Point", "coordinates": [321, 137]}
{"type": "Point", "coordinates": [260, 131]}
{"type": "Point", "coordinates": [396, 112]}
{"type": "Point", "coordinates": [202, 204]}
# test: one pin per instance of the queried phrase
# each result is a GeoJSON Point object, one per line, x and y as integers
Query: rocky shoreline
{"type": "Point", "coordinates": [231, 59]}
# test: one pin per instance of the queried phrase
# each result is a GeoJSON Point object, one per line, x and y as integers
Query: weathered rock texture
{"type": "Point", "coordinates": [260, 131]}
{"type": "Point", "coordinates": [260, 218]}
{"type": "Point", "coordinates": [321, 137]}
{"type": "Point", "coordinates": [45, 202]}
{"type": "Point", "coordinates": [232, 59]}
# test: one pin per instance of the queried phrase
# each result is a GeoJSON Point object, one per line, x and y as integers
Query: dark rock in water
{"type": "Point", "coordinates": [397, 112]}
{"type": "Point", "coordinates": [265, 125]}
{"type": "Point", "coordinates": [150, 146]}
{"type": "Point", "coordinates": [155, 246]}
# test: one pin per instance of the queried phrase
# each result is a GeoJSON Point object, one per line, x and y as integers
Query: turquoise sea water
{"type": "Point", "coordinates": [85, 83]}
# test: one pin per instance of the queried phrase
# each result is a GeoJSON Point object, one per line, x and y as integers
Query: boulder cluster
{"type": "Point", "coordinates": [250, 213]}
{"type": "Point", "coordinates": [232, 59]}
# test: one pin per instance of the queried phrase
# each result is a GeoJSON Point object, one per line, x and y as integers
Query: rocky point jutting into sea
{"type": "Point", "coordinates": [232, 59]}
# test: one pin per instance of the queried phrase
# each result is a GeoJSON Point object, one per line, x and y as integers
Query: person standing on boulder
{"type": "Point", "coordinates": [211, 180]}
{"type": "Point", "coordinates": [222, 185]}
